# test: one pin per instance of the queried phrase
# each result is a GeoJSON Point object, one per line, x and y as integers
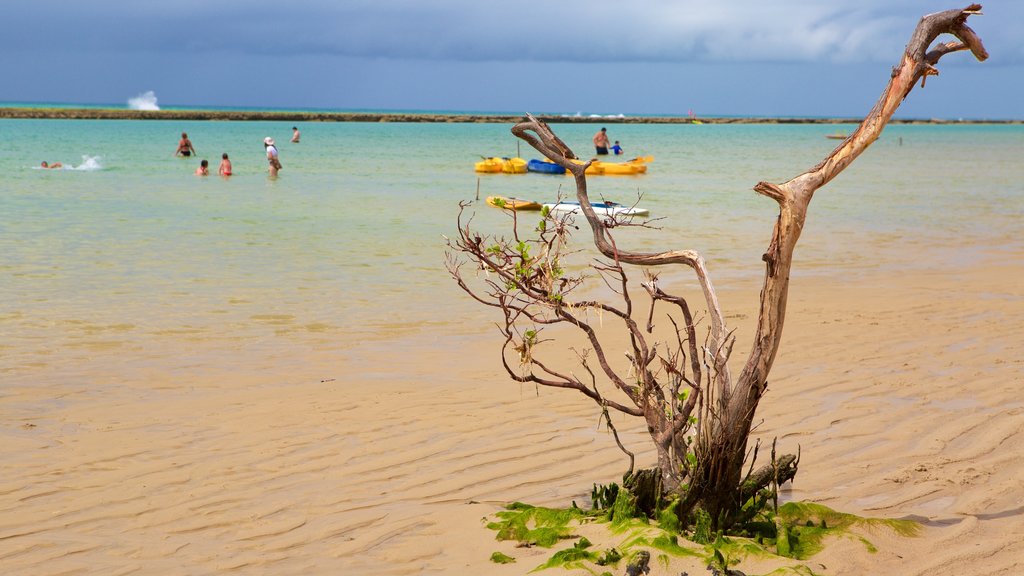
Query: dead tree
{"type": "Point", "coordinates": [699, 415]}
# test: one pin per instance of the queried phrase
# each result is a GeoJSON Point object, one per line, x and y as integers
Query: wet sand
{"type": "Point", "coordinates": [903, 393]}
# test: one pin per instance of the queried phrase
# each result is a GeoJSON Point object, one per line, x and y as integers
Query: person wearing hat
{"type": "Point", "coordinates": [275, 163]}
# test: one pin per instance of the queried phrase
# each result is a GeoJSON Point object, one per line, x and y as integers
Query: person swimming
{"type": "Point", "coordinates": [49, 166]}
{"type": "Point", "coordinates": [225, 165]}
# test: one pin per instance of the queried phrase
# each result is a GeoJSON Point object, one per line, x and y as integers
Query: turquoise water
{"type": "Point", "coordinates": [129, 267]}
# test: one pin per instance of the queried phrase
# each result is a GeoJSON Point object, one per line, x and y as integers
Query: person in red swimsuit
{"type": "Point", "coordinates": [225, 165]}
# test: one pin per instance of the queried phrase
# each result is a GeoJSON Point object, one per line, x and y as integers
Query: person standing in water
{"type": "Point", "coordinates": [225, 165]}
{"type": "Point", "coordinates": [272, 155]}
{"type": "Point", "coordinates": [601, 141]}
{"type": "Point", "coordinates": [204, 169]}
{"type": "Point", "coordinates": [295, 135]}
{"type": "Point", "coordinates": [185, 148]}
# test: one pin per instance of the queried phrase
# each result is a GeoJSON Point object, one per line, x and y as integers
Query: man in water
{"type": "Point", "coordinates": [185, 148]}
{"type": "Point", "coordinates": [49, 166]}
{"type": "Point", "coordinates": [295, 135]}
{"type": "Point", "coordinates": [601, 141]}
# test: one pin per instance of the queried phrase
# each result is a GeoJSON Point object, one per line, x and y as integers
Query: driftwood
{"type": "Point", "coordinates": [693, 382]}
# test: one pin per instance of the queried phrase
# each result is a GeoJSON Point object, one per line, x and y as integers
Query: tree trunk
{"type": "Point", "coordinates": [727, 406]}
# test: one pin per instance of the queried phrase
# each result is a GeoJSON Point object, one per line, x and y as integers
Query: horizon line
{"type": "Point", "coordinates": [244, 114]}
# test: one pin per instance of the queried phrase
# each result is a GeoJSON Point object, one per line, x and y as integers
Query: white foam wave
{"type": "Point", "coordinates": [89, 163]}
{"type": "Point", "coordinates": [144, 101]}
{"type": "Point", "coordinates": [580, 115]}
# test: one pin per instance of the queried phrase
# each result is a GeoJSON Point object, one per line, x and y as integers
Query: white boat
{"type": "Point", "coordinates": [600, 208]}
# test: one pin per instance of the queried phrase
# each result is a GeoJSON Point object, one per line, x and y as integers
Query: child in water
{"type": "Point", "coordinates": [225, 165]}
{"type": "Point", "coordinates": [204, 169]}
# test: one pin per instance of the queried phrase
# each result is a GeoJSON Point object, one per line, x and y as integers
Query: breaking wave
{"type": "Point", "coordinates": [144, 101]}
{"type": "Point", "coordinates": [89, 163]}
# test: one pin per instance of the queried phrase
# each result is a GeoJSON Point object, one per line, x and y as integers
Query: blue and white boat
{"type": "Point", "coordinates": [544, 167]}
{"type": "Point", "coordinates": [600, 208]}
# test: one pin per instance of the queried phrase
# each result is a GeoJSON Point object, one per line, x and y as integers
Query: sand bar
{"type": "Point", "coordinates": [305, 116]}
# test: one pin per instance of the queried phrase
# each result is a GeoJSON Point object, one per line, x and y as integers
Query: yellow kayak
{"type": "Point", "coordinates": [512, 203]}
{"type": "Point", "coordinates": [621, 169]}
{"type": "Point", "coordinates": [490, 165]}
{"type": "Point", "coordinates": [513, 166]}
{"type": "Point", "coordinates": [595, 168]}
{"type": "Point", "coordinates": [632, 166]}
{"type": "Point", "coordinates": [641, 163]}
{"type": "Point", "coordinates": [494, 165]}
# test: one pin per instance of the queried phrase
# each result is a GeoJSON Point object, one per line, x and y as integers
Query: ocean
{"type": "Point", "coordinates": [124, 269]}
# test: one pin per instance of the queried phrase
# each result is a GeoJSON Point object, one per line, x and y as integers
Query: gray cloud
{"type": "Point", "coordinates": [468, 30]}
{"type": "Point", "coordinates": [647, 56]}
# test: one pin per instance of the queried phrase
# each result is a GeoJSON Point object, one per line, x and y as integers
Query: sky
{"type": "Point", "coordinates": [728, 57]}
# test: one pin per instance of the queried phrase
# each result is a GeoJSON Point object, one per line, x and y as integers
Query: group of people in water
{"type": "Point", "coordinates": [601, 144]}
{"type": "Point", "coordinates": [186, 149]}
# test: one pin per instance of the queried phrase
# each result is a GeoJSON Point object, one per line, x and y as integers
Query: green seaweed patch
{"type": "Point", "coordinates": [804, 527]}
{"type": "Point", "coordinates": [657, 539]}
{"type": "Point", "coordinates": [803, 512]}
{"type": "Point", "coordinates": [798, 570]}
{"type": "Point", "coordinates": [534, 525]}
{"type": "Point", "coordinates": [797, 531]}
{"type": "Point", "coordinates": [807, 524]}
{"type": "Point", "coordinates": [736, 549]}
{"type": "Point", "coordinates": [579, 555]}
{"type": "Point", "coordinates": [499, 558]}
{"type": "Point", "coordinates": [668, 520]}
{"type": "Point", "coordinates": [623, 515]}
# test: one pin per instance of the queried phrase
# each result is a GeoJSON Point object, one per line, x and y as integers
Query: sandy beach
{"type": "Point", "coordinates": [255, 373]}
{"type": "Point", "coordinates": [902, 391]}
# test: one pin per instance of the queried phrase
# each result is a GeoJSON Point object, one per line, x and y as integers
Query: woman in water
{"type": "Point", "coordinates": [185, 148]}
{"type": "Point", "coordinates": [275, 163]}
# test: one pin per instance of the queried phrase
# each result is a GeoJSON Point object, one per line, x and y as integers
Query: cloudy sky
{"type": "Point", "coordinates": [728, 57]}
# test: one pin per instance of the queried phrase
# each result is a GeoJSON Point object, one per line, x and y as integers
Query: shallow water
{"type": "Point", "coordinates": [136, 270]}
